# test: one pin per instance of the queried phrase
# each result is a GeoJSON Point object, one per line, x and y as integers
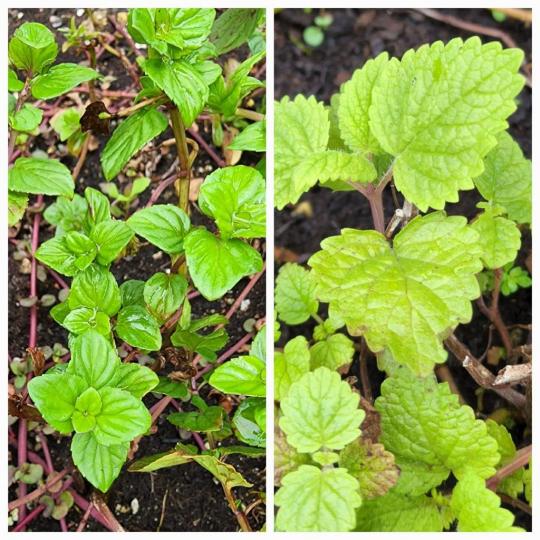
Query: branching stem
{"type": "Point", "coordinates": [183, 182]}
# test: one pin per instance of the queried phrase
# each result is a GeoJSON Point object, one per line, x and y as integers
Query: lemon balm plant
{"type": "Point", "coordinates": [211, 239]}
{"type": "Point", "coordinates": [434, 124]}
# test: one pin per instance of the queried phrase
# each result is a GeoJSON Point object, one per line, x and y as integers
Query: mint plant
{"type": "Point", "coordinates": [156, 337]}
{"type": "Point", "coordinates": [433, 125]}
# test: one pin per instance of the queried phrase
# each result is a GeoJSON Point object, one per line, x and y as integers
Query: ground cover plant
{"type": "Point", "coordinates": [135, 345]}
{"type": "Point", "coordinates": [372, 431]}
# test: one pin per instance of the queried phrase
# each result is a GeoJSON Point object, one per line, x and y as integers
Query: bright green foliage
{"type": "Point", "coordinates": [333, 352]}
{"type": "Point", "coordinates": [14, 84]}
{"type": "Point", "coordinates": [477, 508]}
{"type": "Point", "coordinates": [94, 398]}
{"type": "Point", "coordinates": [129, 137]}
{"type": "Point", "coordinates": [507, 179]}
{"type": "Point", "coordinates": [164, 294]}
{"type": "Point", "coordinates": [245, 375]}
{"type": "Point", "coordinates": [513, 278]}
{"type": "Point", "coordinates": [60, 79]}
{"type": "Point", "coordinates": [421, 287]}
{"type": "Point", "coordinates": [438, 111]}
{"type": "Point", "coordinates": [251, 138]}
{"type": "Point", "coordinates": [286, 458]}
{"type": "Point", "coordinates": [17, 204]}
{"type": "Point", "coordinates": [66, 122]}
{"type": "Point", "coordinates": [235, 198]}
{"type": "Point", "coordinates": [163, 225]}
{"type": "Point", "coordinates": [371, 465]}
{"type": "Point", "coordinates": [311, 499]}
{"type": "Point", "coordinates": [234, 27]}
{"type": "Point", "coordinates": [308, 426]}
{"type": "Point", "coordinates": [423, 422]}
{"type": "Point", "coordinates": [208, 419]}
{"type": "Point", "coordinates": [290, 365]}
{"type": "Point", "coordinates": [499, 237]}
{"type": "Point", "coordinates": [82, 319]}
{"type": "Point", "coordinates": [216, 264]}
{"type": "Point", "coordinates": [32, 47]}
{"type": "Point", "coordinates": [27, 119]}
{"type": "Point", "coordinates": [295, 295]}
{"type": "Point", "coordinates": [40, 176]}
{"type": "Point", "coordinates": [139, 328]}
{"type": "Point", "coordinates": [110, 238]}
{"type": "Point", "coordinates": [96, 287]}
{"type": "Point", "coordinates": [249, 422]}
{"type": "Point", "coordinates": [399, 513]}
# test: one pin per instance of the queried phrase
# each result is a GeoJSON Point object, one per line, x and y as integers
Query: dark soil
{"type": "Point", "coordinates": [354, 36]}
{"type": "Point", "coordinates": [185, 498]}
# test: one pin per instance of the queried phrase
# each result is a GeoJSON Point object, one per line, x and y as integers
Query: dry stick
{"type": "Point", "coordinates": [523, 15]}
{"type": "Point", "coordinates": [521, 459]}
{"type": "Point", "coordinates": [84, 520]}
{"type": "Point", "coordinates": [82, 158]}
{"type": "Point", "coordinates": [516, 503]}
{"type": "Point", "coordinates": [218, 161]}
{"type": "Point", "coordinates": [480, 373]}
{"type": "Point", "coordinates": [83, 504]}
{"type": "Point", "coordinates": [105, 511]}
{"type": "Point", "coordinates": [238, 514]}
{"type": "Point", "coordinates": [29, 518]}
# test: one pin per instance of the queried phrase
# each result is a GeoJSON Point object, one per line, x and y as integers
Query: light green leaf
{"type": "Point", "coordinates": [477, 508]}
{"type": "Point", "coordinates": [295, 296]}
{"type": "Point", "coordinates": [122, 417]}
{"type": "Point", "coordinates": [314, 500]}
{"type": "Point", "coordinates": [286, 458]}
{"type": "Point", "coordinates": [438, 111]}
{"type": "Point", "coordinates": [171, 388]}
{"type": "Point", "coordinates": [258, 345]}
{"type": "Point", "coordinates": [500, 238]}
{"type": "Point", "coordinates": [95, 287]}
{"type": "Point", "coordinates": [129, 137]}
{"type": "Point", "coordinates": [56, 254]}
{"type": "Point", "coordinates": [61, 79]}
{"type": "Point", "coordinates": [217, 265]}
{"type": "Point", "coordinates": [17, 204]}
{"type": "Point", "coordinates": [371, 465]}
{"type": "Point", "coordinates": [235, 198]}
{"type": "Point", "coordinates": [399, 513]}
{"type": "Point", "coordinates": [136, 379]}
{"type": "Point", "coordinates": [333, 352]}
{"type": "Point", "coordinates": [55, 395]}
{"type": "Point", "coordinates": [163, 225]}
{"type": "Point", "coordinates": [185, 28]}
{"type": "Point", "coordinates": [40, 177]}
{"type": "Point", "coordinates": [211, 419]}
{"type": "Point", "coordinates": [32, 47]}
{"type": "Point", "coordinates": [354, 102]}
{"type": "Point", "coordinates": [132, 292]}
{"type": "Point", "coordinates": [402, 298]}
{"type": "Point", "coordinates": [249, 421]}
{"type": "Point", "coordinates": [204, 344]}
{"type": "Point", "coordinates": [423, 421]}
{"type": "Point", "coordinates": [94, 359]}
{"type": "Point", "coordinates": [110, 237]}
{"type": "Point", "coordinates": [164, 294]}
{"type": "Point", "coordinates": [138, 328]}
{"type": "Point", "coordinates": [98, 463]}
{"type": "Point", "coordinates": [82, 319]}
{"type": "Point", "coordinates": [310, 427]}
{"type": "Point", "coordinates": [67, 214]}
{"type": "Point", "coordinates": [99, 208]}
{"type": "Point", "coordinates": [27, 119]}
{"type": "Point", "coordinates": [507, 179]}
{"type": "Point", "coordinates": [245, 375]}
{"type": "Point", "coordinates": [234, 27]}
{"type": "Point", "coordinates": [182, 83]}
{"type": "Point", "coordinates": [252, 138]}
{"type": "Point", "coordinates": [290, 365]}
{"type": "Point", "coordinates": [66, 122]}
{"type": "Point", "coordinates": [82, 247]}
{"type": "Point", "coordinates": [14, 84]}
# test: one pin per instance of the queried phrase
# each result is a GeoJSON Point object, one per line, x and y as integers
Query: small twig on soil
{"type": "Point", "coordinates": [82, 158]}
{"type": "Point", "coordinates": [85, 518]}
{"type": "Point", "coordinates": [480, 373]}
{"type": "Point", "coordinates": [206, 147]}
{"type": "Point", "coordinates": [238, 514]}
{"type": "Point", "coordinates": [29, 518]}
{"type": "Point", "coordinates": [105, 511]}
{"type": "Point", "coordinates": [517, 374]}
{"type": "Point", "coordinates": [163, 506]}
{"type": "Point", "coordinates": [247, 289]}
{"type": "Point", "coordinates": [523, 15]}
{"type": "Point", "coordinates": [521, 459]}
{"type": "Point", "coordinates": [162, 186]}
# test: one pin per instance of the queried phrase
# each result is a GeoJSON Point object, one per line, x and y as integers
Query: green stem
{"type": "Point", "coordinates": [251, 115]}
{"type": "Point", "coordinates": [182, 184]}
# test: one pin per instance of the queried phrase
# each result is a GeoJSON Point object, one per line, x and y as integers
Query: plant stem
{"type": "Point", "coordinates": [240, 516]}
{"type": "Point", "coordinates": [129, 110]}
{"type": "Point", "coordinates": [250, 115]}
{"type": "Point", "coordinates": [23, 96]}
{"type": "Point", "coordinates": [520, 460]}
{"type": "Point", "coordinates": [183, 155]}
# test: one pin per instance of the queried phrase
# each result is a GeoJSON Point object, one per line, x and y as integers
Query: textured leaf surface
{"type": "Point", "coordinates": [333, 352]}
{"type": "Point", "coordinates": [507, 179]}
{"type": "Point", "coordinates": [96, 287]}
{"type": "Point", "coordinates": [217, 265]}
{"type": "Point", "coordinates": [129, 137]}
{"type": "Point", "coordinates": [245, 375]}
{"type": "Point", "coordinates": [314, 500]}
{"type": "Point", "coordinates": [26, 119]}
{"type": "Point", "coordinates": [290, 365]}
{"type": "Point", "coordinates": [164, 294]}
{"type": "Point", "coordinates": [163, 225]}
{"type": "Point", "coordinates": [295, 296]}
{"type": "Point", "coordinates": [499, 238]}
{"type": "Point", "coordinates": [138, 328]}
{"type": "Point", "coordinates": [60, 79]}
{"type": "Point", "coordinates": [32, 47]}
{"type": "Point", "coordinates": [40, 177]}
{"type": "Point", "coordinates": [477, 508]}
{"type": "Point", "coordinates": [405, 297]}
{"type": "Point", "coordinates": [235, 198]}
{"type": "Point", "coordinates": [251, 138]}
{"type": "Point", "coordinates": [17, 204]}
{"type": "Point", "coordinates": [423, 421]}
{"type": "Point", "coordinates": [319, 411]}
{"type": "Point", "coordinates": [286, 458]}
{"type": "Point", "coordinates": [399, 513]}
{"type": "Point", "coordinates": [354, 103]}
{"type": "Point", "coordinates": [211, 419]}
{"type": "Point", "coordinates": [111, 237]}
{"type": "Point", "coordinates": [82, 319]}
{"type": "Point", "coordinates": [136, 379]}
{"type": "Point", "coordinates": [371, 465]}
{"type": "Point", "coordinates": [98, 463]}
{"type": "Point", "coordinates": [438, 111]}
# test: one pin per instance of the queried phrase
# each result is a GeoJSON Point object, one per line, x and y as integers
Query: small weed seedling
{"type": "Point", "coordinates": [433, 123]}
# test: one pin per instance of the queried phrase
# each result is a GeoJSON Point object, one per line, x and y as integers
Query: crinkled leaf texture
{"type": "Point", "coordinates": [438, 111]}
{"type": "Point", "coordinates": [311, 499]}
{"type": "Point", "coordinates": [295, 295]}
{"type": "Point", "coordinates": [399, 513]}
{"type": "Point", "coordinates": [402, 298]}
{"type": "Point", "coordinates": [301, 133]}
{"type": "Point", "coordinates": [423, 423]}
{"type": "Point", "coordinates": [477, 508]}
{"type": "Point", "coordinates": [507, 179]}
{"type": "Point", "coordinates": [40, 177]}
{"type": "Point", "coordinates": [320, 411]}
{"type": "Point", "coordinates": [286, 458]}
{"type": "Point", "coordinates": [333, 352]}
{"type": "Point", "coordinates": [290, 365]}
